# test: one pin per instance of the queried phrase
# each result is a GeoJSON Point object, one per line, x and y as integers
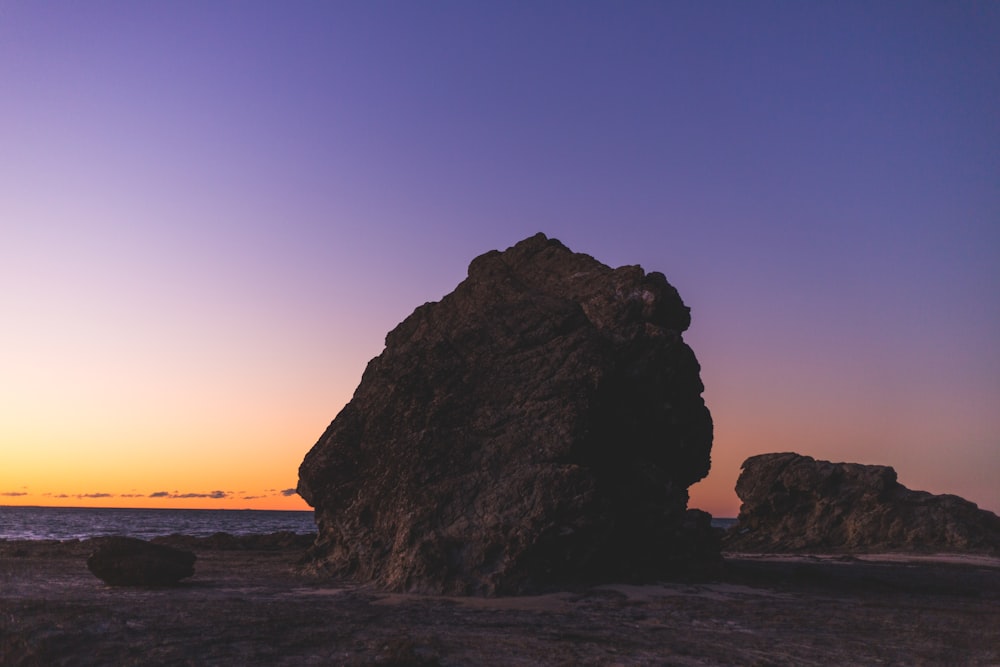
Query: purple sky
{"type": "Point", "coordinates": [211, 213]}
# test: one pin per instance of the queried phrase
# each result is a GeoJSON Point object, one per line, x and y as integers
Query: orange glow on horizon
{"type": "Point", "coordinates": [193, 501]}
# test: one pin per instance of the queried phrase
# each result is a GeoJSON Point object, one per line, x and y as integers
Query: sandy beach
{"type": "Point", "coordinates": [254, 606]}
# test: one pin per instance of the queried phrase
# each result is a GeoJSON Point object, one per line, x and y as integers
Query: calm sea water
{"type": "Point", "coordinates": [67, 523]}
{"type": "Point", "coordinates": [724, 523]}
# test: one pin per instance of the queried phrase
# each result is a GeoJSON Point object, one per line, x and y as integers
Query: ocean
{"type": "Point", "coordinates": [724, 523]}
{"type": "Point", "coordinates": [71, 523]}
{"type": "Point", "coordinates": [77, 523]}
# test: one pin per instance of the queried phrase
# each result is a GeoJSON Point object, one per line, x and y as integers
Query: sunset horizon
{"type": "Point", "coordinates": [443, 333]}
{"type": "Point", "coordinates": [212, 215]}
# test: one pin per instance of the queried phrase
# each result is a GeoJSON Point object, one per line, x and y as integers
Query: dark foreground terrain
{"type": "Point", "coordinates": [253, 606]}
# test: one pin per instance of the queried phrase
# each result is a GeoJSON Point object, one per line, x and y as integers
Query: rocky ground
{"type": "Point", "coordinates": [254, 606]}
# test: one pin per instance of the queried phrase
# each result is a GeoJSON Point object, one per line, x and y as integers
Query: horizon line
{"type": "Point", "coordinates": [196, 509]}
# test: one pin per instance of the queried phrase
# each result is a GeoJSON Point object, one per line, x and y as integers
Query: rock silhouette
{"type": "Point", "coordinates": [539, 425]}
{"type": "Point", "coordinates": [128, 561]}
{"type": "Point", "coordinates": [794, 503]}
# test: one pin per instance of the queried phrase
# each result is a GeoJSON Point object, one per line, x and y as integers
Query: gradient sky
{"type": "Point", "coordinates": [212, 212]}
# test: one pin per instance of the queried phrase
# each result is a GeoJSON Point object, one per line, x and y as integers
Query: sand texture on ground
{"type": "Point", "coordinates": [255, 607]}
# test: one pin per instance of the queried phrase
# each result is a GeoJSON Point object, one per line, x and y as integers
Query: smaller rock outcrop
{"type": "Point", "coordinates": [794, 503]}
{"type": "Point", "coordinates": [127, 561]}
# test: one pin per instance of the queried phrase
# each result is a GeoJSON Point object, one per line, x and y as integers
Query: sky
{"type": "Point", "coordinates": [211, 213]}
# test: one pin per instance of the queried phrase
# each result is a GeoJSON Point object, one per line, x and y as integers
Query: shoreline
{"type": "Point", "coordinates": [251, 603]}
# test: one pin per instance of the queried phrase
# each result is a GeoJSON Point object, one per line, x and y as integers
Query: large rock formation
{"type": "Point", "coordinates": [537, 426]}
{"type": "Point", "coordinates": [794, 503]}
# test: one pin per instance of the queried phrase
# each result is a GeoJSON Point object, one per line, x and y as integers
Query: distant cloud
{"type": "Point", "coordinates": [212, 494]}
{"type": "Point", "coordinates": [176, 495]}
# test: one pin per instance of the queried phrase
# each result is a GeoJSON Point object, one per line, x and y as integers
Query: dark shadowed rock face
{"type": "Point", "coordinates": [538, 425]}
{"type": "Point", "coordinates": [796, 503]}
{"type": "Point", "coordinates": [127, 561]}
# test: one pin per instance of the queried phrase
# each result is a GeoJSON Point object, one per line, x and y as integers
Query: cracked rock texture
{"type": "Point", "coordinates": [538, 426]}
{"type": "Point", "coordinates": [794, 503]}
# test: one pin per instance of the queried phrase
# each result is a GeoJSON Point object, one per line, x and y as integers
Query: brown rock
{"type": "Point", "coordinates": [794, 503]}
{"type": "Point", "coordinates": [538, 425]}
{"type": "Point", "coordinates": [127, 561]}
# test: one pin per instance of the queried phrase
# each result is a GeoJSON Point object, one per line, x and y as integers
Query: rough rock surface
{"type": "Point", "coordinates": [794, 503]}
{"type": "Point", "coordinates": [539, 425]}
{"type": "Point", "coordinates": [127, 561]}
